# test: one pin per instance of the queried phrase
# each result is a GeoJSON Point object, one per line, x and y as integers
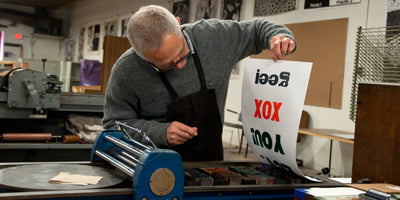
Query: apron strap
{"type": "Point", "coordinates": [200, 73]}
{"type": "Point", "coordinates": [168, 85]}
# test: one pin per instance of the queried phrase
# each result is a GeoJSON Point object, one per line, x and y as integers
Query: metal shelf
{"type": "Point", "coordinates": [44, 146]}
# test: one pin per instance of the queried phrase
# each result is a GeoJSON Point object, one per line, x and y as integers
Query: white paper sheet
{"type": "Point", "coordinates": [272, 102]}
{"type": "Point", "coordinates": [75, 179]}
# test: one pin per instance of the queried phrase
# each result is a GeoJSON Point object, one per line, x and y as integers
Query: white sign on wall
{"type": "Point", "coordinates": [273, 96]}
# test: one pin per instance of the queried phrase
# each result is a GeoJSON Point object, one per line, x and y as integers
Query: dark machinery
{"type": "Point", "coordinates": [28, 88]}
{"type": "Point", "coordinates": [30, 94]}
{"type": "Point", "coordinates": [32, 105]}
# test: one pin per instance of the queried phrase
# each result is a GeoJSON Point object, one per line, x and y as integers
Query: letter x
{"type": "Point", "coordinates": [275, 116]}
{"type": "Point", "coordinates": [257, 114]}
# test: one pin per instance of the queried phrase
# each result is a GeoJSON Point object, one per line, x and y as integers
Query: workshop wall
{"type": "Point", "coordinates": [367, 13]}
{"type": "Point", "coordinates": [35, 46]}
{"type": "Point", "coordinates": [93, 12]}
{"type": "Point", "coordinates": [32, 47]}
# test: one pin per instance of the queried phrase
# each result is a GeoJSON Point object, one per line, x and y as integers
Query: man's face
{"type": "Point", "coordinates": [173, 51]}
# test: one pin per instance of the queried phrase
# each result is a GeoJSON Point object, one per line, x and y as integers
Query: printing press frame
{"type": "Point", "coordinates": [133, 188]}
{"type": "Point", "coordinates": [125, 190]}
{"type": "Point", "coordinates": [31, 103]}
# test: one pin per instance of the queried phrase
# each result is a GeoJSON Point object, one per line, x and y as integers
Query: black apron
{"type": "Point", "coordinates": [199, 110]}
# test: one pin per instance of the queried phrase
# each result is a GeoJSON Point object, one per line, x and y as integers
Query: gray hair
{"type": "Point", "coordinates": [148, 26]}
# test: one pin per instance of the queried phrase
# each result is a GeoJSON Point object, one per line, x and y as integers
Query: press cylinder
{"type": "Point", "coordinates": [127, 170]}
{"type": "Point", "coordinates": [26, 136]}
{"type": "Point", "coordinates": [124, 155]}
{"type": "Point", "coordinates": [125, 145]}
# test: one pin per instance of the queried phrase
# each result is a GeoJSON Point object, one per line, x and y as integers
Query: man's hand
{"type": "Point", "coordinates": [178, 133]}
{"type": "Point", "coordinates": [280, 47]}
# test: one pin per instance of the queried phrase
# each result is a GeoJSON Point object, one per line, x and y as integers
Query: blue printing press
{"type": "Point", "coordinates": [151, 173]}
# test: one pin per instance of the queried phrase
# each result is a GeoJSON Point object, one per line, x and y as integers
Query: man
{"type": "Point", "coordinates": [172, 84]}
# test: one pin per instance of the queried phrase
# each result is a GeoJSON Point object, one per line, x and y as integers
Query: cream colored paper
{"type": "Point", "coordinates": [75, 179]}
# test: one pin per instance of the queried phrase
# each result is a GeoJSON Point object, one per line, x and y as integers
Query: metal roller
{"type": "Point", "coordinates": [123, 156]}
{"type": "Point", "coordinates": [27, 137]}
{"type": "Point", "coordinates": [156, 173]}
{"type": "Point", "coordinates": [121, 150]}
{"type": "Point", "coordinates": [127, 170]}
{"type": "Point", "coordinates": [124, 145]}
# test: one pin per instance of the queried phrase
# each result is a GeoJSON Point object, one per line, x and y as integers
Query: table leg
{"type": "Point", "coordinates": [241, 142]}
{"type": "Point", "coordinates": [330, 156]}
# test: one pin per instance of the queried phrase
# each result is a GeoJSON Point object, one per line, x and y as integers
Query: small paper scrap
{"type": "Point", "coordinates": [393, 187]}
{"type": "Point", "coordinates": [75, 179]}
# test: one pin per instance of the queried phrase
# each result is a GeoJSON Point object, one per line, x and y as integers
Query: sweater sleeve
{"type": "Point", "coordinates": [259, 33]}
{"type": "Point", "coordinates": [122, 104]}
{"type": "Point", "coordinates": [240, 39]}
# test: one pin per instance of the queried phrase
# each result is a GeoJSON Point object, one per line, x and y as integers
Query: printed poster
{"type": "Point", "coordinates": [273, 96]}
{"type": "Point", "coordinates": [181, 9]}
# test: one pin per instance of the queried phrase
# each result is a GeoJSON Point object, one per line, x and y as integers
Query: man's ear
{"type": "Point", "coordinates": [179, 20]}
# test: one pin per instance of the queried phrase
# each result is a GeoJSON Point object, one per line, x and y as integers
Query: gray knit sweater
{"type": "Point", "coordinates": [135, 94]}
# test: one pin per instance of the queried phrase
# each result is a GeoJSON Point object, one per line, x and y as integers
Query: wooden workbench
{"type": "Point", "coordinates": [331, 134]}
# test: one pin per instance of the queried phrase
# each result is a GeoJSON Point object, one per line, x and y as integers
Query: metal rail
{"type": "Point", "coordinates": [127, 170]}
{"type": "Point", "coordinates": [377, 59]}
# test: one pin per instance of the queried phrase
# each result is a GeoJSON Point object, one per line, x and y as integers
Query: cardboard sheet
{"type": "Point", "coordinates": [272, 102]}
{"type": "Point", "coordinates": [323, 43]}
{"type": "Point", "coordinates": [383, 187]}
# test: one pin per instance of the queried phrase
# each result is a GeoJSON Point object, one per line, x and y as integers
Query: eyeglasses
{"type": "Point", "coordinates": [172, 65]}
{"type": "Point", "coordinates": [191, 51]}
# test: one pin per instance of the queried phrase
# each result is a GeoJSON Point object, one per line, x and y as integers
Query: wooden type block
{"type": "Point", "coordinates": [260, 177]}
{"type": "Point", "coordinates": [202, 178]}
{"type": "Point", "coordinates": [231, 177]}
{"type": "Point", "coordinates": [263, 179]}
{"type": "Point", "coordinates": [248, 181]}
{"type": "Point", "coordinates": [218, 178]}
{"type": "Point", "coordinates": [220, 181]}
{"type": "Point", "coordinates": [280, 176]}
{"type": "Point", "coordinates": [190, 181]}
